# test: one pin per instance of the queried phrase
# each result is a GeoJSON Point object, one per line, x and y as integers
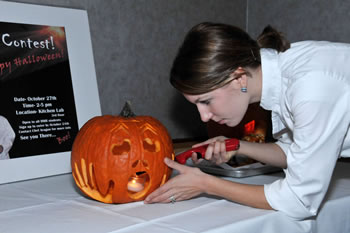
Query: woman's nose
{"type": "Point", "coordinates": [204, 113]}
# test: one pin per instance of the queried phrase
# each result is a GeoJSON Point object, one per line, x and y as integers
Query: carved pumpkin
{"type": "Point", "coordinates": [111, 154]}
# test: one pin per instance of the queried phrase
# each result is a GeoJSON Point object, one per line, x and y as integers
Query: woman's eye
{"type": "Point", "coordinates": [206, 102]}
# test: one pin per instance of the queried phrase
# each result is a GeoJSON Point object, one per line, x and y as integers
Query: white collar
{"type": "Point", "coordinates": [271, 80]}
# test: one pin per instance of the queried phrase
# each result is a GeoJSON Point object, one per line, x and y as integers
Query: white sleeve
{"type": "Point", "coordinates": [319, 108]}
{"type": "Point", "coordinates": [284, 141]}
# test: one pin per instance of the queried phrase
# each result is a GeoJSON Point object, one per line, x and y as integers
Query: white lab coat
{"type": "Point", "coordinates": [7, 136]}
{"type": "Point", "coordinates": [307, 88]}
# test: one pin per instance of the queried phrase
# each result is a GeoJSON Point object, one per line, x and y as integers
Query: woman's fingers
{"type": "Point", "coordinates": [180, 187]}
{"type": "Point", "coordinates": [173, 164]}
{"type": "Point", "coordinates": [211, 140]}
{"type": "Point", "coordinates": [216, 150]}
{"type": "Point", "coordinates": [209, 152]}
{"type": "Point", "coordinates": [158, 194]}
{"type": "Point", "coordinates": [171, 195]}
{"type": "Point", "coordinates": [195, 158]}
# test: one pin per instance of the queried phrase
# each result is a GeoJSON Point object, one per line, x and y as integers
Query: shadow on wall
{"type": "Point", "coordinates": [187, 119]}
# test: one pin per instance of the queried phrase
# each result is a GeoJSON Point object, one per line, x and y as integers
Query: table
{"type": "Point", "coordinates": [54, 204]}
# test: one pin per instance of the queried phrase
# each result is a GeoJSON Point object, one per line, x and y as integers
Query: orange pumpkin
{"type": "Point", "coordinates": [119, 159]}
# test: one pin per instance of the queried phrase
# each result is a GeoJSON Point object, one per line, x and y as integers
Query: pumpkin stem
{"type": "Point", "coordinates": [126, 111]}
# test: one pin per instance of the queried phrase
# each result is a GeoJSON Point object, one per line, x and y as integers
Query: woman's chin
{"type": "Point", "coordinates": [231, 123]}
{"type": "Point", "coordinates": [227, 123]}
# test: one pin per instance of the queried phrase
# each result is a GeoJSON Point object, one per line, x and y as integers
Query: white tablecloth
{"type": "Point", "coordinates": [53, 204]}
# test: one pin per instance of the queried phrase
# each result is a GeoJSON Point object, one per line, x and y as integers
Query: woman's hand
{"type": "Point", "coordinates": [187, 184]}
{"type": "Point", "coordinates": [216, 151]}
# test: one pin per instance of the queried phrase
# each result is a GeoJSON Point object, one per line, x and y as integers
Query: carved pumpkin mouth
{"type": "Point", "coordinates": [140, 173]}
{"type": "Point", "coordinates": [138, 184]}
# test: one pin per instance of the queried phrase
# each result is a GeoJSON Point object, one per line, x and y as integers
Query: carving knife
{"type": "Point", "coordinates": [231, 145]}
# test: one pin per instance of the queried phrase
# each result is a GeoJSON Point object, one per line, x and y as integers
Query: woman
{"type": "Point", "coordinates": [306, 85]}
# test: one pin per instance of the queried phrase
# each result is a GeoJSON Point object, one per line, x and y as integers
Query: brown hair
{"type": "Point", "coordinates": [271, 38]}
{"type": "Point", "coordinates": [212, 51]}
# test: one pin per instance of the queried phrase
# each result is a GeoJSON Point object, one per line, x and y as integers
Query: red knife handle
{"type": "Point", "coordinates": [231, 145]}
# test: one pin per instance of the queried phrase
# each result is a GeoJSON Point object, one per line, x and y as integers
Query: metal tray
{"type": "Point", "coordinates": [253, 169]}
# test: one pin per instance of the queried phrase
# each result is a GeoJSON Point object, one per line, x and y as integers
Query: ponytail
{"type": "Point", "coordinates": [271, 38]}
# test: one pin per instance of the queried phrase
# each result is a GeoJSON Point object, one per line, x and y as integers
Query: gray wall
{"type": "Point", "coordinates": [300, 19]}
{"type": "Point", "coordinates": [135, 41]}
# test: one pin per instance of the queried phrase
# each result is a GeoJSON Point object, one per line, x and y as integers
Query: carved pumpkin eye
{"type": "Point", "coordinates": [149, 145]}
{"type": "Point", "coordinates": [121, 149]}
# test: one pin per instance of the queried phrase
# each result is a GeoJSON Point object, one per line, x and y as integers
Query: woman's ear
{"type": "Point", "coordinates": [239, 71]}
{"type": "Point", "coordinates": [240, 79]}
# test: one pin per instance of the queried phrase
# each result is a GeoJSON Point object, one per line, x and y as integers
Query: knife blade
{"type": "Point", "coordinates": [231, 145]}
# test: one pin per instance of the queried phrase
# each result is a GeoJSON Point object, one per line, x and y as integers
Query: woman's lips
{"type": "Point", "coordinates": [221, 122]}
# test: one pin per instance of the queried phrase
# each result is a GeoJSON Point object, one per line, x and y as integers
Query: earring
{"type": "Point", "coordinates": [244, 89]}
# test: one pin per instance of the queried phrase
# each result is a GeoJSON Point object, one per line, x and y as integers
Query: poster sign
{"type": "Point", "coordinates": [47, 88]}
{"type": "Point", "coordinates": [36, 89]}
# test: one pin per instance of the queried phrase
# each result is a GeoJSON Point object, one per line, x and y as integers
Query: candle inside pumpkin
{"type": "Point", "coordinates": [136, 184]}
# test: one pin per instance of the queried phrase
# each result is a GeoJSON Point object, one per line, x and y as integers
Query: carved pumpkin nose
{"type": "Point", "coordinates": [141, 164]}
